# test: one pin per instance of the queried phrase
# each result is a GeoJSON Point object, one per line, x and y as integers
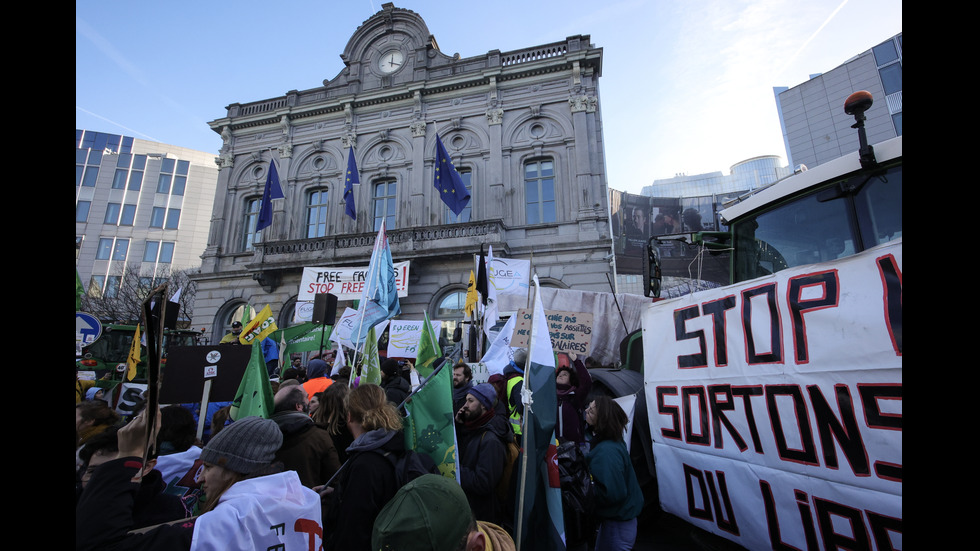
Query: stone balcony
{"type": "Point", "coordinates": [449, 240]}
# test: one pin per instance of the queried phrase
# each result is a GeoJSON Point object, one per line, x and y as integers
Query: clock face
{"type": "Point", "coordinates": [391, 61]}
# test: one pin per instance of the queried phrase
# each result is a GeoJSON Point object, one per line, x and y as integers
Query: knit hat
{"type": "Point", "coordinates": [485, 393]}
{"type": "Point", "coordinates": [425, 514]}
{"type": "Point", "coordinates": [244, 446]}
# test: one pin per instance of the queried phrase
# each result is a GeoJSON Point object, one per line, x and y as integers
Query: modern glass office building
{"type": "Point", "coordinates": [139, 205]}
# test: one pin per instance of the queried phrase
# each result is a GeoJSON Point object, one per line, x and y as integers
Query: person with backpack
{"type": "Point", "coordinates": [368, 480]}
{"type": "Point", "coordinates": [618, 496]}
{"type": "Point", "coordinates": [482, 438]}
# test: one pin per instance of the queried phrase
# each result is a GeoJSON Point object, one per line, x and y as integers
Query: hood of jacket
{"type": "Point", "coordinates": [316, 368]}
{"type": "Point", "coordinates": [292, 422]}
{"type": "Point", "coordinates": [378, 439]}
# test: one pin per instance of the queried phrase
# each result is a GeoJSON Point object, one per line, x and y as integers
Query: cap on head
{"type": "Point", "coordinates": [236, 324]}
{"type": "Point", "coordinates": [244, 446]}
{"type": "Point", "coordinates": [430, 512]}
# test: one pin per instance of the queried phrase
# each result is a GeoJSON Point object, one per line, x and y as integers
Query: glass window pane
{"type": "Point", "coordinates": [119, 178]}
{"type": "Point", "coordinates": [891, 78]}
{"type": "Point", "coordinates": [139, 162]}
{"type": "Point", "coordinates": [173, 219]}
{"type": "Point", "coordinates": [111, 214]}
{"type": "Point", "coordinates": [168, 165]}
{"type": "Point", "coordinates": [135, 180]}
{"type": "Point", "coordinates": [179, 183]}
{"type": "Point", "coordinates": [104, 250]}
{"type": "Point", "coordinates": [885, 52]}
{"type": "Point", "coordinates": [120, 249]}
{"type": "Point", "coordinates": [81, 155]}
{"type": "Point", "coordinates": [167, 252]}
{"type": "Point", "coordinates": [128, 215]}
{"type": "Point", "coordinates": [91, 174]}
{"type": "Point", "coordinates": [95, 156]}
{"type": "Point", "coordinates": [182, 167]}
{"type": "Point", "coordinates": [547, 168]}
{"type": "Point", "coordinates": [79, 170]}
{"type": "Point", "coordinates": [163, 183]}
{"type": "Point", "coordinates": [150, 251]}
{"type": "Point", "coordinates": [157, 216]}
{"type": "Point", "coordinates": [81, 210]}
{"type": "Point", "coordinates": [123, 160]}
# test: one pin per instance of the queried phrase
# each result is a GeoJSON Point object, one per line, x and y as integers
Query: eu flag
{"type": "Point", "coordinates": [351, 179]}
{"type": "Point", "coordinates": [448, 182]}
{"type": "Point", "coordinates": [272, 191]}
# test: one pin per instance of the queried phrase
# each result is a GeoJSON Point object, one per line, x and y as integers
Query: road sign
{"type": "Point", "coordinates": [88, 328]}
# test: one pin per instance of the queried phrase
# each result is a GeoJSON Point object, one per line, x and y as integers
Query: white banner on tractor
{"type": "Point", "coordinates": [775, 405]}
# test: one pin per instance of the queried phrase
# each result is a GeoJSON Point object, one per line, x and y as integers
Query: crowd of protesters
{"type": "Point", "coordinates": [322, 468]}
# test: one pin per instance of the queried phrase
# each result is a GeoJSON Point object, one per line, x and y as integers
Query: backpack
{"type": "Point", "coordinates": [511, 451]}
{"type": "Point", "coordinates": [577, 488]}
{"type": "Point", "coordinates": [410, 465]}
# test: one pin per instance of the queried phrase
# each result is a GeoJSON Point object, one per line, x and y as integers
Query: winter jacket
{"type": "Point", "coordinates": [617, 491]}
{"type": "Point", "coordinates": [572, 401]}
{"type": "Point", "coordinates": [396, 388]}
{"type": "Point", "coordinates": [365, 484]}
{"type": "Point", "coordinates": [306, 448]}
{"type": "Point", "coordinates": [481, 464]}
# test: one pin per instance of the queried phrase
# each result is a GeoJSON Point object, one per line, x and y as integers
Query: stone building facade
{"type": "Point", "coordinates": [522, 127]}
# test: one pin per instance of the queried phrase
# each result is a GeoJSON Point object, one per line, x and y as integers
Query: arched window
{"type": "Point", "coordinates": [449, 310]}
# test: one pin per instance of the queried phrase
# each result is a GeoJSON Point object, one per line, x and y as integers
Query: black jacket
{"type": "Point", "coordinates": [365, 484]}
{"type": "Point", "coordinates": [104, 514]}
{"type": "Point", "coordinates": [481, 464]}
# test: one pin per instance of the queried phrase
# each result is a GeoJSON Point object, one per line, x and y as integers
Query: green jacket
{"type": "Point", "coordinates": [618, 493]}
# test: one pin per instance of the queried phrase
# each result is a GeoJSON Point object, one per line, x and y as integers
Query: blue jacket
{"type": "Point", "coordinates": [617, 491]}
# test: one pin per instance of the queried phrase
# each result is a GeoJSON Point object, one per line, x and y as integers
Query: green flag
{"type": "Point", "coordinates": [371, 363]}
{"type": "Point", "coordinates": [79, 291]}
{"type": "Point", "coordinates": [429, 426]}
{"type": "Point", "coordinates": [254, 396]}
{"type": "Point", "coordinates": [428, 350]}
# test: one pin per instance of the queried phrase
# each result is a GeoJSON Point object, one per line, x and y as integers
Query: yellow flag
{"type": "Point", "coordinates": [471, 296]}
{"type": "Point", "coordinates": [259, 328]}
{"type": "Point", "coordinates": [134, 355]}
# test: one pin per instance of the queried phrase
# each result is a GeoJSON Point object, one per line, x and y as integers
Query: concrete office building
{"type": "Point", "coordinates": [522, 127]}
{"type": "Point", "coordinates": [815, 127]}
{"type": "Point", "coordinates": [138, 205]}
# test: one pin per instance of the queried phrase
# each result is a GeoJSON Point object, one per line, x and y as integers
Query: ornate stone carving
{"type": "Point", "coordinates": [583, 103]}
{"type": "Point", "coordinates": [418, 129]}
{"type": "Point", "coordinates": [495, 116]}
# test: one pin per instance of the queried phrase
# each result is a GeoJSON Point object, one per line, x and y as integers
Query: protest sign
{"type": "Point", "coordinates": [570, 332]}
{"type": "Point", "coordinates": [775, 405]}
{"type": "Point", "coordinates": [404, 335]}
{"type": "Point", "coordinates": [345, 283]}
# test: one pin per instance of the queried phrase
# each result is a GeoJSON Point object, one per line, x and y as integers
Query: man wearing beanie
{"type": "Point", "coordinates": [431, 512]}
{"type": "Point", "coordinates": [246, 494]}
{"type": "Point", "coordinates": [481, 436]}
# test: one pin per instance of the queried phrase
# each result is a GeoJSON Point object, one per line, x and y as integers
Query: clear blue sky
{"type": "Point", "coordinates": [686, 86]}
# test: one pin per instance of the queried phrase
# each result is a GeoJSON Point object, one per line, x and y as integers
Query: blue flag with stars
{"type": "Point", "coordinates": [351, 179]}
{"type": "Point", "coordinates": [448, 182]}
{"type": "Point", "coordinates": [273, 190]}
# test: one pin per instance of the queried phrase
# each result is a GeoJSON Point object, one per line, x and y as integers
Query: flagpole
{"type": "Point", "coordinates": [361, 307]}
{"type": "Point", "coordinates": [525, 395]}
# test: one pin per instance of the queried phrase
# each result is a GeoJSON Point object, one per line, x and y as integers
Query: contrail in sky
{"type": "Point", "coordinates": [812, 36]}
{"type": "Point", "coordinates": [87, 112]}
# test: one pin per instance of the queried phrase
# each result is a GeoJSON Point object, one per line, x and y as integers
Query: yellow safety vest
{"type": "Point", "coordinates": [515, 416]}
